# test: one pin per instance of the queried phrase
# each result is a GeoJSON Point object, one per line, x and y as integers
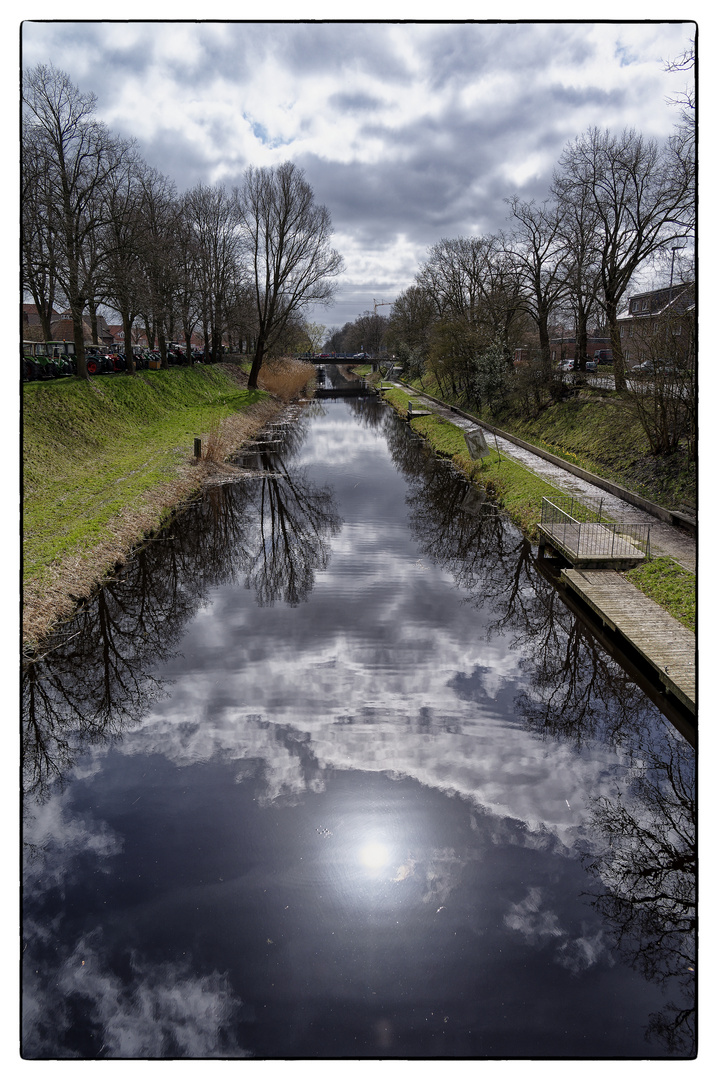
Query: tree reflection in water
{"type": "Point", "coordinates": [272, 533]}
{"type": "Point", "coordinates": [94, 678]}
{"type": "Point", "coordinates": [641, 844]}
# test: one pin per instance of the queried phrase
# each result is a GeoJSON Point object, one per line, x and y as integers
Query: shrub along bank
{"type": "Point", "coordinates": [105, 462]}
{"type": "Point", "coordinates": [519, 492]}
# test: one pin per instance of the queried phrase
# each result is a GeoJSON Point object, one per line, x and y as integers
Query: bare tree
{"type": "Point", "coordinates": [212, 215]}
{"type": "Point", "coordinates": [540, 254]}
{"type": "Point", "coordinates": [642, 202]}
{"type": "Point", "coordinates": [77, 155]}
{"type": "Point", "coordinates": [580, 230]}
{"type": "Point", "coordinates": [411, 317]}
{"type": "Point", "coordinates": [286, 237]}
{"type": "Point", "coordinates": [38, 245]}
{"type": "Point", "coordinates": [160, 218]}
{"type": "Point", "coordinates": [123, 241]}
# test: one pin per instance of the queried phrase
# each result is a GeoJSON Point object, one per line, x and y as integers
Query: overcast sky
{"type": "Point", "coordinates": [407, 132]}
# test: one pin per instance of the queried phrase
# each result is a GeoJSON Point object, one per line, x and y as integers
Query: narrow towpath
{"type": "Point", "coordinates": [668, 540]}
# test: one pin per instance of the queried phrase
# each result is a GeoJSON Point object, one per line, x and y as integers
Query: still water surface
{"type": "Point", "coordinates": [329, 770]}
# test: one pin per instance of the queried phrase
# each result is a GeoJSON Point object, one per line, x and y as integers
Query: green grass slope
{"type": "Point", "coordinates": [93, 449]}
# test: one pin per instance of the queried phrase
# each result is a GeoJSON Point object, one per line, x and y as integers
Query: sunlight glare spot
{"type": "Point", "coordinates": [374, 855]}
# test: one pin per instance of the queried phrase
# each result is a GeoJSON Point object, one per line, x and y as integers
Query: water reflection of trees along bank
{"type": "Point", "coordinates": [640, 846]}
{"type": "Point", "coordinates": [578, 688]}
{"type": "Point", "coordinates": [217, 541]}
{"type": "Point", "coordinates": [93, 679]}
{"type": "Point", "coordinates": [576, 685]}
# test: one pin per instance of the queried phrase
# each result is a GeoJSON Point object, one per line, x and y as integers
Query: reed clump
{"type": "Point", "coordinates": [286, 378]}
{"type": "Point", "coordinates": [216, 443]}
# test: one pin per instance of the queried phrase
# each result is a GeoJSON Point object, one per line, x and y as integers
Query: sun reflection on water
{"type": "Point", "coordinates": [374, 855]}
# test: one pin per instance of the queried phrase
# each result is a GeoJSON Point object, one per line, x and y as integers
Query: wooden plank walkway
{"type": "Point", "coordinates": [590, 544]}
{"type": "Point", "coordinates": [659, 638]}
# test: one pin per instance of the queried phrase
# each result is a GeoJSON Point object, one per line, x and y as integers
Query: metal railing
{"type": "Point", "coordinates": [583, 530]}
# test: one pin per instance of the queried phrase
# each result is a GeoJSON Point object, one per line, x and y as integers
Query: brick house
{"type": "Point", "coordinates": [61, 327]}
{"type": "Point", "coordinates": [117, 330]}
{"type": "Point", "coordinates": [139, 338]}
{"type": "Point", "coordinates": [659, 324]}
{"type": "Point", "coordinates": [564, 348]}
{"type": "Point", "coordinates": [31, 323]}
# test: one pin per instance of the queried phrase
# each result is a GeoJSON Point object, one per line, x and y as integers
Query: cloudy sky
{"type": "Point", "coordinates": [407, 132]}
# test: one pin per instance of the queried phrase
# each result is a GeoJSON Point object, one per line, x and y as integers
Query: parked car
{"type": "Point", "coordinates": [566, 365]}
{"type": "Point", "coordinates": [653, 367]}
{"type": "Point", "coordinates": [603, 356]}
{"type": "Point", "coordinates": [591, 365]}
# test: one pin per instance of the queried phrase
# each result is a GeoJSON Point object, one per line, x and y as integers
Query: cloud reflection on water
{"type": "Point", "coordinates": [434, 660]}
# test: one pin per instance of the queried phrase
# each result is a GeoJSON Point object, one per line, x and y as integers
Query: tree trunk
{"type": "Point", "coordinates": [93, 324]}
{"type": "Point", "coordinates": [163, 349]}
{"type": "Point", "coordinates": [256, 364]}
{"type": "Point", "coordinates": [581, 341]}
{"type": "Point", "coordinates": [78, 332]}
{"type": "Point", "coordinates": [544, 346]}
{"type": "Point", "coordinates": [129, 355]}
{"type": "Point", "coordinates": [149, 334]}
{"type": "Point", "coordinates": [614, 331]}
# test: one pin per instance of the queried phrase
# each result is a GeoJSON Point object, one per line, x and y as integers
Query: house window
{"type": "Point", "coordinates": [644, 305]}
{"type": "Point", "coordinates": [677, 330]}
{"type": "Point", "coordinates": [623, 331]}
{"type": "Point", "coordinates": [655, 326]}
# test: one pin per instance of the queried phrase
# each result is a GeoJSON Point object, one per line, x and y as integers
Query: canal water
{"type": "Point", "coordinates": [329, 770]}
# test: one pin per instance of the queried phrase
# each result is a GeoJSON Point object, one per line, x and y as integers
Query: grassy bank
{"type": "Point", "coordinates": [516, 488]}
{"type": "Point", "coordinates": [598, 431]}
{"type": "Point", "coordinates": [519, 492]}
{"type": "Point", "coordinates": [105, 461]}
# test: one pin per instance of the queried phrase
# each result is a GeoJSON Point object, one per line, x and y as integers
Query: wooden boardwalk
{"type": "Point", "coordinates": [661, 640]}
{"type": "Point", "coordinates": [591, 544]}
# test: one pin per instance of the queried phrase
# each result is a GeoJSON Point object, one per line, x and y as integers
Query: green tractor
{"type": "Point", "coordinates": [62, 355]}
{"type": "Point", "coordinates": [47, 359]}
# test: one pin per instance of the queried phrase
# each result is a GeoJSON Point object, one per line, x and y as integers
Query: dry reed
{"type": "Point", "coordinates": [286, 377]}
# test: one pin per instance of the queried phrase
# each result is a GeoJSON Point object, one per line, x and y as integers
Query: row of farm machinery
{"type": "Point", "coordinates": [55, 359]}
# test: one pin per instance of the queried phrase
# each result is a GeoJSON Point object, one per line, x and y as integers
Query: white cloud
{"type": "Point", "coordinates": [166, 1011]}
{"type": "Point", "coordinates": [409, 132]}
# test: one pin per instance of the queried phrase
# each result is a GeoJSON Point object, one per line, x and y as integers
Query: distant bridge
{"type": "Point", "coordinates": [343, 358]}
{"type": "Point", "coordinates": [348, 390]}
